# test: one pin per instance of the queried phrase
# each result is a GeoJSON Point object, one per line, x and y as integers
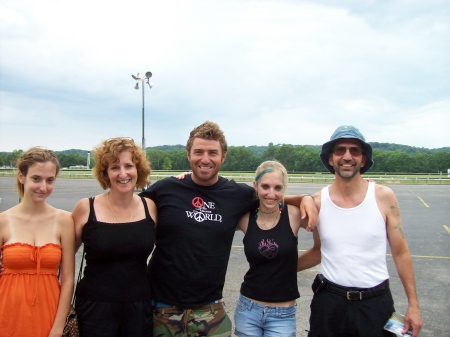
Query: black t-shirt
{"type": "Point", "coordinates": [195, 230]}
{"type": "Point", "coordinates": [272, 255]}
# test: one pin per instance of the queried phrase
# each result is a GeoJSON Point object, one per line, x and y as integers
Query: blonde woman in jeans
{"type": "Point", "coordinates": [266, 305]}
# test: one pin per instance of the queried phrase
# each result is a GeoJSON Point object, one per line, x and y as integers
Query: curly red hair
{"type": "Point", "coordinates": [108, 152]}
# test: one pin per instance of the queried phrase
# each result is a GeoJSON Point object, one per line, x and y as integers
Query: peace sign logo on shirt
{"type": "Point", "coordinates": [198, 202]}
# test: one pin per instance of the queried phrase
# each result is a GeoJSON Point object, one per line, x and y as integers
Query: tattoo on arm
{"type": "Point", "coordinates": [399, 227]}
{"type": "Point", "coordinates": [395, 209]}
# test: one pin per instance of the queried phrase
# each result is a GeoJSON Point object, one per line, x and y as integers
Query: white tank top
{"type": "Point", "coordinates": [353, 242]}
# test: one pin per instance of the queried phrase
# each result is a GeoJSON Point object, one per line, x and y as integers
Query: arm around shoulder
{"type": "Point", "coordinates": [243, 223]}
{"type": "Point", "coordinates": [307, 207]}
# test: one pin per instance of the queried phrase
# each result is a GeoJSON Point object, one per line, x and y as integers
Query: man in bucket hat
{"type": "Point", "coordinates": [356, 220]}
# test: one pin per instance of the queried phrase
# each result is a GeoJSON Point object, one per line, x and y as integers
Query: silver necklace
{"type": "Point", "coordinates": [273, 223]}
{"type": "Point", "coordinates": [132, 208]}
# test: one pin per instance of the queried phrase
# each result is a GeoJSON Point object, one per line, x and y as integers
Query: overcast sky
{"type": "Point", "coordinates": [266, 71]}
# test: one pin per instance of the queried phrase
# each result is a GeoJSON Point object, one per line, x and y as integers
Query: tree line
{"type": "Point", "coordinates": [296, 158]}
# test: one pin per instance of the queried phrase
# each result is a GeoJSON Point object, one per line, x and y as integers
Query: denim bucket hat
{"type": "Point", "coordinates": [345, 132]}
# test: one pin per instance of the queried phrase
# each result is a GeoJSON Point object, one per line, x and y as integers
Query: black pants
{"type": "Point", "coordinates": [333, 315]}
{"type": "Point", "coordinates": [112, 319]}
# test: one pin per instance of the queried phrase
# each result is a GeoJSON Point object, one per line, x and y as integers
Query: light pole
{"type": "Point", "coordinates": [148, 74]}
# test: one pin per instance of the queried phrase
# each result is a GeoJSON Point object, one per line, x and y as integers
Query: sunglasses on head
{"type": "Point", "coordinates": [120, 138]}
{"type": "Point", "coordinates": [341, 150]}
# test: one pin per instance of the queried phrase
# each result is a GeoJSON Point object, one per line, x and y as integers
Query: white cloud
{"type": "Point", "coordinates": [266, 71]}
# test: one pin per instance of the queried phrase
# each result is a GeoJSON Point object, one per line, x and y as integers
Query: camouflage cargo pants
{"type": "Point", "coordinates": [208, 320]}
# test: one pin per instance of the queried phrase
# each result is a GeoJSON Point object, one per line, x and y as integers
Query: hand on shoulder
{"type": "Point", "coordinates": [182, 175]}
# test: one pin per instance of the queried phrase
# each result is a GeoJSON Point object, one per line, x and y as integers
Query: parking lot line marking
{"type": "Point", "coordinates": [423, 202]}
{"type": "Point", "coordinates": [426, 256]}
{"type": "Point", "coordinates": [413, 256]}
{"type": "Point", "coordinates": [448, 229]}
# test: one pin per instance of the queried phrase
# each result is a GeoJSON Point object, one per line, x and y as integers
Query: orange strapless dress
{"type": "Point", "coordinates": [29, 289]}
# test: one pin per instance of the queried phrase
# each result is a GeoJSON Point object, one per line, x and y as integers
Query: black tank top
{"type": "Point", "coordinates": [272, 255]}
{"type": "Point", "coordinates": [116, 259]}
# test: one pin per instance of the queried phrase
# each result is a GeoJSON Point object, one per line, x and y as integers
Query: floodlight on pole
{"type": "Point", "coordinates": [138, 79]}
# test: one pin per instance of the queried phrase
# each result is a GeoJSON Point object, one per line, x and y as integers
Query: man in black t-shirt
{"type": "Point", "coordinates": [197, 218]}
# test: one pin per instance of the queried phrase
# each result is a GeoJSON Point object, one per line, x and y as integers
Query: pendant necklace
{"type": "Point", "coordinates": [132, 208]}
{"type": "Point", "coordinates": [273, 223]}
{"type": "Point", "coordinates": [280, 208]}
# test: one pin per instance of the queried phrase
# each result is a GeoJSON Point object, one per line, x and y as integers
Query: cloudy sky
{"type": "Point", "coordinates": [265, 70]}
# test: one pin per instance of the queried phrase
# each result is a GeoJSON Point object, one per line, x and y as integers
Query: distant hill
{"type": "Point", "coordinates": [411, 150]}
{"type": "Point", "coordinates": [167, 147]}
{"type": "Point", "coordinates": [256, 149]}
{"type": "Point", "coordinates": [259, 150]}
{"type": "Point", "coordinates": [406, 148]}
{"type": "Point", "coordinates": [74, 151]}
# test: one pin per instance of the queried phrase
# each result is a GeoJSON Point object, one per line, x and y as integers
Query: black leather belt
{"type": "Point", "coordinates": [357, 295]}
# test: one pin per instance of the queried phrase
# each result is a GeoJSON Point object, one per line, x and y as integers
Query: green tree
{"type": "Point", "coordinates": [307, 160]}
{"type": "Point", "coordinates": [239, 158]}
{"type": "Point", "coordinates": [156, 158]}
{"type": "Point", "coordinates": [270, 153]}
{"type": "Point", "coordinates": [11, 159]}
{"type": "Point", "coordinates": [294, 158]}
{"type": "Point", "coordinates": [167, 164]}
{"type": "Point", "coordinates": [400, 161]}
{"type": "Point", "coordinates": [419, 162]}
{"type": "Point", "coordinates": [380, 162]}
{"type": "Point", "coordinates": [71, 159]}
{"type": "Point", "coordinates": [439, 162]}
{"type": "Point", "coordinates": [177, 158]}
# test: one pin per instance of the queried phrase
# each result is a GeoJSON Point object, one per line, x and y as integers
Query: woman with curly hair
{"type": "Point", "coordinates": [117, 228]}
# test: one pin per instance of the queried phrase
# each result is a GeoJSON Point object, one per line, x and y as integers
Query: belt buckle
{"type": "Point", "coordinates": [354, 295]}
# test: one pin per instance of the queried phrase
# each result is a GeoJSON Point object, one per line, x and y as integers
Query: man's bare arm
{"type": "Point", "coordinates": [307, 206]}
{"type": "Point", "coordinates": [312, 256]}
{"type": "Point", "coordinates": [401, 255]}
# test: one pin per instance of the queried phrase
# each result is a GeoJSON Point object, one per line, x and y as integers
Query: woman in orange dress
{"type": "Point", "coordinates": [36, 239]}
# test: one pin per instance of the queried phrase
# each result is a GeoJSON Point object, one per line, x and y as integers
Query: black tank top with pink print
{"type": "Point", "coordinates": [272, 255]}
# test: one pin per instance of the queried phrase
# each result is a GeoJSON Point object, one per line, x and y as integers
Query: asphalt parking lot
{"type": "Point", "coordinates": [425, 213]}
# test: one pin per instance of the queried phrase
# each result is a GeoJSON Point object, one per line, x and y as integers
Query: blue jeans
{"type": "Point", "coordinates": [256, 320]}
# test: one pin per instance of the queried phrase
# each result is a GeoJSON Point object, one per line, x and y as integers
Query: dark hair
{"type": "Point", "coordinates": [210, 131]}
{"type": "Point", "coordinates": [108, 152]}
{"type": "Point", "coordinates": [30, 157]}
